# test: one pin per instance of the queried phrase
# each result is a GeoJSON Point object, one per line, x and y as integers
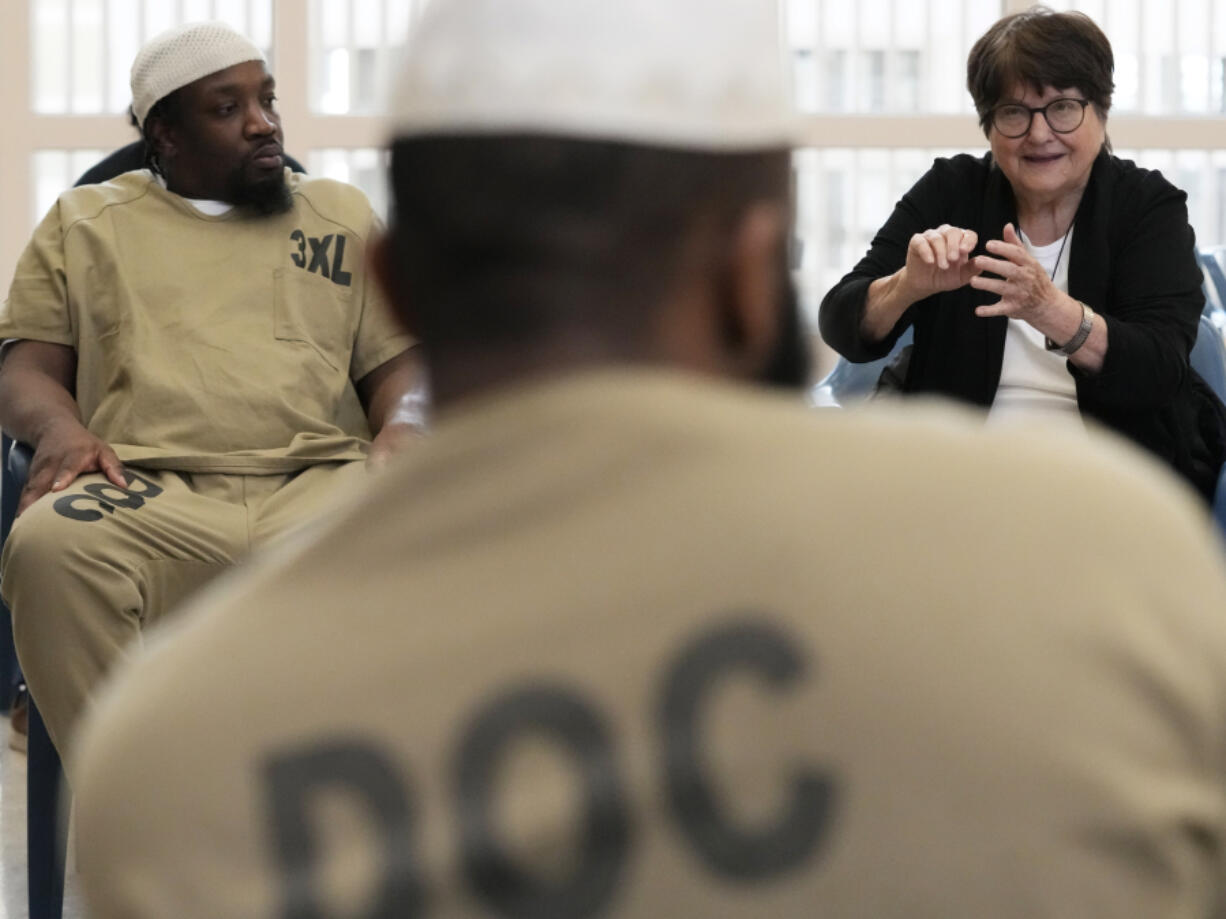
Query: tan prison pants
{"type": "Point", "coordinates": [86, 570]}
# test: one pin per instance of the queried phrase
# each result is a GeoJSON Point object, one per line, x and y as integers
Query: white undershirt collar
{"type": "Point", "coordinates": [204, 205]}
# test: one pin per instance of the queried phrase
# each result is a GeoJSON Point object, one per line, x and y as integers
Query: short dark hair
{"type": "Point", "coordinates": [501, 238]}
{"type": "Point", "coordinates": [1040, 48]}
{"type": "Point", "coordinates": [168, 111]}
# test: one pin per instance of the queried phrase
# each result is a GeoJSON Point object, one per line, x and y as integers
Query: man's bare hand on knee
{"type": "Point", "coordinates": [65, 450]}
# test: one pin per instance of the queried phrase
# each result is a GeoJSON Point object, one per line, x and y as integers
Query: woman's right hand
{"type": "Point", "coordinates": [938, 260]}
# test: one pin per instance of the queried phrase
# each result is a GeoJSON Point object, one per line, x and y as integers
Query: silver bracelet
{"type": "Point", "coordinates": [1079, 337]}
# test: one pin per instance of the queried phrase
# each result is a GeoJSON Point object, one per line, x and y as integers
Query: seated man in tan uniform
{"type": "Point", "coordinates": [199, 360]}
{"type": "Point", "coordinates": [629, 636]}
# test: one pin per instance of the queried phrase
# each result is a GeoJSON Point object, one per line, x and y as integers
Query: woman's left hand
{"type": "Point", "coordinates": [1025, 288]}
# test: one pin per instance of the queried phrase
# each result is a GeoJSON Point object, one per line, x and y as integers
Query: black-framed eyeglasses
{"type": "Point", "coordinates": [1063, 115]}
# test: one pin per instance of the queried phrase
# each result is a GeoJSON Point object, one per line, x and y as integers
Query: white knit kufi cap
{"type": "Point", "coordinates": [183, 55]}
{"type": "Point", "coordinates": [699, 74]}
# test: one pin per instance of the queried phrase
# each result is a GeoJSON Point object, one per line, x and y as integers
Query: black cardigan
{"type": "Point", "coordinates": [1132, 258]}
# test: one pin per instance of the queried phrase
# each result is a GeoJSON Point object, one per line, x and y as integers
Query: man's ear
{"type": "Point", "coordinates": [163, 141]}
{"type": "Point", "coordinates": [752, 296]}
{"type": "Point", "coordinates": [381, 257]}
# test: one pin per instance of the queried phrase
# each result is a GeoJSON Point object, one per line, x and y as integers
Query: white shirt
{"type": "Point", "coordinates": [1034, 380]}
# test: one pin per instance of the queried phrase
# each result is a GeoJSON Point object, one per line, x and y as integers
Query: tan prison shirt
{"type": "Point", "coordinates": [210, 343]}
{"type": "Point", "coordinates": [642, 646]}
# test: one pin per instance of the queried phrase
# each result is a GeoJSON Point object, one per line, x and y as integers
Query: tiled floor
{"type": "Point", "coordinates": [13, 838]}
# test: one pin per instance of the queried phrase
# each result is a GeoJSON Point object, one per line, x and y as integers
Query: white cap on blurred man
{"type": "Point", "coordinates": [699, 74]}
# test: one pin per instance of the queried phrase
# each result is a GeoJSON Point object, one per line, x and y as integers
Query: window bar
{"type": "Point", "coordinates": [852, 237]}
{"type": "Point", "coordinates": [926, 79]}
{"type": "Point", "coordinates": [1174, 101]}
{"type": "Point", "coordinates": [1142, 59]}
{"type": "Point", "coordinates": [318, 63]}
{"type": "Point", "coordinates": [859, 72]}
{"type": "Point", "coordinates": [1210, 50]}
{"type": "Point", "coordinates": [890, 72]}
{"type": "Point", "coordinates": [70, 56]}
{"type": "Point", "coordinates": [964, 21]}
{"type": "Point", "coordinates": [816, 184]}
{"type": "Point", "coordinates": [889, 67]}
{"type": "Point", "coordinates": [820, 69]}
{"type": "Point", "coordinates": [351, 18]}
{"type": "Point", "coordinates": [963, 30]}
{"type": "Point", "coordinates": [384, 61]}
{"type": "Point", "coordinates": [377, 53]}
{"type": "Point", "coordinates": [891, 174]}
{"type": "Point", "coordinates": [104, 59]}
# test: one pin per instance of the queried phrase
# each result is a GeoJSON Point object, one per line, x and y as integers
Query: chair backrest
{"type": "Point", "coordinates": [125, 159]}
{"type": "Point", "coordinates": [1213, 265]}
{"type": "Point", "coordinates": [1209, 352]}
{"type": "Point", "coordinates": [1208, 356]}
{"type": "Point", "coordinates": [850, 383]}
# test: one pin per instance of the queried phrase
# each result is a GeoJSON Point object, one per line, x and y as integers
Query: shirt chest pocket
{"type": "Point", "coordinates": [310, 311]}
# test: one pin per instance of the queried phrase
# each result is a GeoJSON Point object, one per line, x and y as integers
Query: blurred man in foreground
{"type": "Point", "coordinates": [632, 636]}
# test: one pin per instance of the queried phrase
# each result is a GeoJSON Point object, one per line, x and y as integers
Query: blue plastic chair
{"type": "Point", "coordinates": [849, 383]}
{"type": "Point", "coordinates": [1208, 356]}
{"type": "Point", "coordinates": [1213, 265]}
{"type": "Point", "coordinates": [1209, 360]}
{"type": "Point", "coordinates": [1209, 353]}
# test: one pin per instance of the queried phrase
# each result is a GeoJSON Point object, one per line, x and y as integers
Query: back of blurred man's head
{"type": "Point", "coordinates": [589, 182]}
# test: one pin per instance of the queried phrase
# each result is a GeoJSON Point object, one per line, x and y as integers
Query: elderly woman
{"type": "Point", "coordinates": [1047, 276]}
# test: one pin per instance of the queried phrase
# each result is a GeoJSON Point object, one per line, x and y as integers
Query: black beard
{"type": "Point", "coordinates": [264, 196]}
